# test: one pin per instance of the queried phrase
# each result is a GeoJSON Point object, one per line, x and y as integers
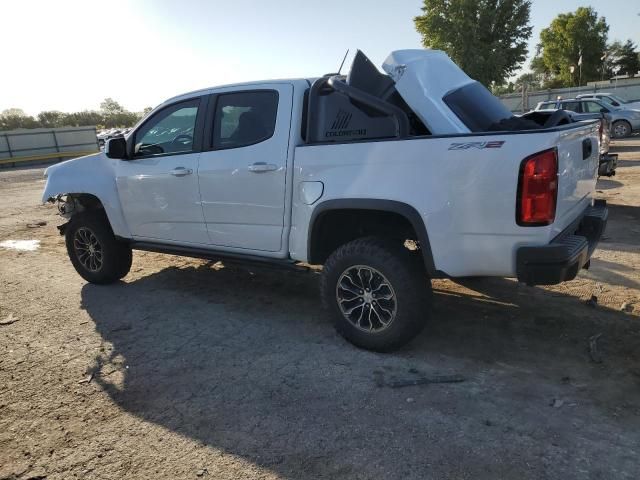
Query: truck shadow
{"type": "Point", "coordinates": [615, 147]}
{"type": "Point", "coordinates": [247, 363]}
{"type": "Point", "coordinates": [613, 273]}
{"type": "Point", "coordinates": [623, 228]}
{"type": "Point", "coordinates": [607, 184]}
{"type": "Point", "coordinates": [622, 163]}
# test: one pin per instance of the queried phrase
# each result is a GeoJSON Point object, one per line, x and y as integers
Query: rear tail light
{"type": "Point", "coordinates": [538, 189]}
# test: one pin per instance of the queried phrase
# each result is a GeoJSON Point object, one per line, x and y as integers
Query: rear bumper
{"type": "Point", "coordinates": [560, 260]}
{"type": "Point", "coordinates": [608, 164]}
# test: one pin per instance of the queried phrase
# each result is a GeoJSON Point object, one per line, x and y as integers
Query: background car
{"type": "Point", "coordinates": [623, 122]}
{"type": "Point", "coordinates": [105, 135]}
{"type": "Point", "coordinates": [613, 100]}
{"type": "Point", "coordinates": [608, 161]}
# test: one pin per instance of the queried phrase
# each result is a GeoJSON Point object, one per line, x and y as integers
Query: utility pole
{"type": "Point", "coordinates": [580, 65]}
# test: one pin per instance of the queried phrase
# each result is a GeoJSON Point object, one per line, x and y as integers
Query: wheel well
{"type": "Point", "coordinates": [336, 227]}
{"type": "Point", "coordinates": [622, 121]}
{"type": "Point", "coordinates": [73, 203]}
{"type": "Point", "coordinates": [88, 201]}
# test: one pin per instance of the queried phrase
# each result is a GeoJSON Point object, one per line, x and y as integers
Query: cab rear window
{"type": "Point", "coordinates": [476, 107]}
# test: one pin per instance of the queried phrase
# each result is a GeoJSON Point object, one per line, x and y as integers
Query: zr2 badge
{"type": "Point", "coordinates": [476, 145]}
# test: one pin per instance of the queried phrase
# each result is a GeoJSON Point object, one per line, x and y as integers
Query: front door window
{"type": "Point", "coordinates": [170, 131]}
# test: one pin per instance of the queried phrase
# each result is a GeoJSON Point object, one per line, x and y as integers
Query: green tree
{"type": "Point", "coordinates": [569, 37]}
{"type": "Point", "coordinates": [503, 89]}
{"type": "Point", "coordinates": [15, 118]}
{"type": "Point", "coordinates": [611, 57]}
{"type": "Point", "coordinates": [486, 38]}
{"type": "Point", "coordinates": [532, 80]}
{"type": "Point", "coordinates": [628, 59]}
{"type": "Point", "coordinates": [115, 115]}
{"type": "Point", "coordinates": [14, 112]}
{"type": "Point", "coordinates": [110, 106]}
{"type": "Point", "coordinates": [51, 119]}
{"type": "Point", "coordinates": [86, 118]}
{"type": "Point", "coordinates": [111, 115]}
{"type": "Point", "coordinates": [121, 119]}
{"type": "Point", "coordinates": [528, 80]}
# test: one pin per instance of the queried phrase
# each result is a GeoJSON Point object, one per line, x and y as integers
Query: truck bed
{"type": "Point", "coordinates": [463, 186]}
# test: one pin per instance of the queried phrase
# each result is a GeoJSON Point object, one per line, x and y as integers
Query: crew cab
{"type": "Point", "coordinates": [386, 179]}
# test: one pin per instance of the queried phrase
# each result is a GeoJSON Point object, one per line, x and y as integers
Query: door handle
{"type": "Point", "coordinates": [181, 172]}
{"type": "Point", "coordinates": [260, 167]}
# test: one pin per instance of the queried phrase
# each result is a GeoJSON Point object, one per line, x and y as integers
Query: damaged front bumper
{"type": "Point", "coordinates": [560, 260]}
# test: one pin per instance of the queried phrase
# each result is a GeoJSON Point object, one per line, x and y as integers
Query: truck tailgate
{"type": "Point", "coordinates": [577, 172]}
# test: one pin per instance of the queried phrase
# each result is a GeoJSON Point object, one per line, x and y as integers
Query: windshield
{"type": "Point", "coordinates": [476, 107]}
{"type": "Point", "coordinates": [606, 100]}
{"type": "Point", "coordinates": [546, 105]}
{"type": "Point", "coordinates": [616, 98]}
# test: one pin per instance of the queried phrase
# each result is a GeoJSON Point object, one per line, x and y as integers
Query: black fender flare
{"type": "Point", "coordinates": [392, 206]}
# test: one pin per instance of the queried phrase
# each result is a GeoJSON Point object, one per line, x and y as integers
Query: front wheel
{"type": "Point", "coordinates": [93, 249]}
{"type": "Point", "coordinates": [377, 292]}
{"type": "Point", "coordinates": [621, 129]}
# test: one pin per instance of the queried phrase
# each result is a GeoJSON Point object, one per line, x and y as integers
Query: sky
{"type": "Point", "coordinates": [69, 55]}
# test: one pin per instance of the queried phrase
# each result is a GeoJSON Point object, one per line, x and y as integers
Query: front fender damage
{"type": "Point", "coordinates": [86, 183]}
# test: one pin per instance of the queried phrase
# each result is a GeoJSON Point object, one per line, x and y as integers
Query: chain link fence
{"type": "Point", "coordinates": [46, 144]}
{"type": "Point", "coordinates": [525, 100]}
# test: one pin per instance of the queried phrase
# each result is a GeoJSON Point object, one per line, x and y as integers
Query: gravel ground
{"type": "Point", "coordinates": [188, 369]}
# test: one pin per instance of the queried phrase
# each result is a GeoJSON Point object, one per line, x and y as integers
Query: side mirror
{"type": "Point", "coordinates": [116, 148]}
{"type": "Point", "coordinates": [615, 104]}
{"type": "Point", "coordinates": [604, 110]}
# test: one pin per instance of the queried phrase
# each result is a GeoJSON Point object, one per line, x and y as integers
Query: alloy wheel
{"type": "Point", "coordinates": [88, 249]}
{"type": "Point", "coordinates": [366, 298]}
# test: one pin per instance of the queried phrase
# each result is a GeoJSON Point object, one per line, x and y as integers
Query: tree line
{"type": "Point", "coordinates": [110, 115]}
{"type": "Point", "coordinates": [488, 40]}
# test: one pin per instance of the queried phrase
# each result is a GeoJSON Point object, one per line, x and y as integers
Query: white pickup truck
{"type": "Point", "coordinates": [386, 179]}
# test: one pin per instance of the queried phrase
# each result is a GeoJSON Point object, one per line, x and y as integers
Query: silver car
{"type": "Point", "coordinates": [613, 100]}
{"type": "Point", "coordinates": [623, 122]}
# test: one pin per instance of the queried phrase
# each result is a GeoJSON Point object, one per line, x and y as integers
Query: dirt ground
{"type": "Point", "coordinates": [189, 370]}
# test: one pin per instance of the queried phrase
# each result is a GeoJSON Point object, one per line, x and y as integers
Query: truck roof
{"type": "Point", "coordinates": [209, 90]}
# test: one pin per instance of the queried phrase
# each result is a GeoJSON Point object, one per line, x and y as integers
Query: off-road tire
{"type": "Point", "coordinates": [116, 255]}
{"type": "Point", "coordinates": [401, 268]}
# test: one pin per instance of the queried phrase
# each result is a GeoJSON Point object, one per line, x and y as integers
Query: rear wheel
{"type": "Point", "coordinates": [93, 249]}
{"type": "Point", "coordinates": [620, 129]}
{"type": "Point", "coordinates": [377, 292]}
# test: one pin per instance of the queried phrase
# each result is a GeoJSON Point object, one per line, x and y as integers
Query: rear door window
{"type": "Point", "coordinates": [591, 107]}
{"type": "Point", "coordinates": [571, 106]}
{"type": "Point", "coordinates": [244, 118]}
